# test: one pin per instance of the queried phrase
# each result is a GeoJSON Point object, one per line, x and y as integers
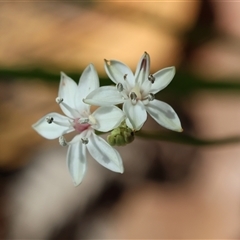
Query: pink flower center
{"type": "Point", "coordinates": [80, 127]}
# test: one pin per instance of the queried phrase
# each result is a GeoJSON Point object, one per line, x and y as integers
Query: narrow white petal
{"type": "Point", "coordinates": [162, 79]}
{"type": "Point", "coordinates": [143, 69]}
{"type": "Point", "coordinates": [53, 130]}
{"type": "Point", "coordinates": [108, 118]}
{"type": "Point", "coordinates": [88, 82]}
{"type": "Point", "coordinates": [69, 111]}
{"type": "Point", "coordinates": [104, 96]}
{"type": "Point", "coordinates": [77, 161]}
{"type": "Point", "coordinates": [67, 91]}
{"type": "Point", "coordinates": [135, 113]}
{"type": "Point", "coordinates": [104, 154]}
{"type": "Point", "coordinates": [164, 114]}
{"type": "Point", "coordinates": [118, 72]}
{"type": "Point", "coordinates": [145, 88]}
{"type": "Point", "coordinates": [129, 123]}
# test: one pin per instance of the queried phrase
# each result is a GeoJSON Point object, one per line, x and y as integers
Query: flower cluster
{"type": "Point", "coordinates": [89, 107]}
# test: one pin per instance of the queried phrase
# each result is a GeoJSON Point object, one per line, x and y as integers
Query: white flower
{"type": "Point", "coordinates": [80, 119]}
{"type": "Point", "coordinates": [137, 93]}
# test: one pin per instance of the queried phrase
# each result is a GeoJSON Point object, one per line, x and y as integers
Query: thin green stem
{"type": "Point", "coordinates": [187, 139]}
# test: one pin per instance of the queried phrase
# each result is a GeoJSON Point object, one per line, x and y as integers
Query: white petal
{"type": "Point", "coordinates": [77, 161]}
{"type": "Point", "coordinates": [104, 154]}
{"type": "Point", "coordinates": [108, 118]}
{"type": "Point", "coordinates": [130, 125]}
{"type": "Point", "coordinates": [53, 130]}
{"type": "Point", "coordinates": [85, 134]}
{"type": "Point", "coordinates": [104, 96]}
{"type": "Point", "coordinates": [145, 88]}
{"type": "Point", "coordinates": [135, 113]}
{"type": "Point", "coordinates": [88, 82]}
{"type": "Point", "coordinates": [118, 72]}
{"type": "Point", "coordinates": [143, 69]}
{"type": "Point", "coordinates": [163, 114]}
{"type": "Point", "coordinates": [67, 91]}
{"type": "Point", "coordinates": [162, 79]}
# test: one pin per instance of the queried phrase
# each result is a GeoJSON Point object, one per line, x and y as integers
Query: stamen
{"type": "Point", "coordinates": [151, 78]}
{"type": "Point", "coordinates": [49, 119]}
{"type": "Point", "coordinates": [125, 77]}
{"type": "Point", "coordinates": [59, 100]}
{"type": "Point", "coordinates": [148, 98]}
{"type": "Point", "coordinates": [133, 97]}
{"type": "Point", "coordinates": [119, 87]}
{"type": "Point", "coordinates": [151, 97]}
{"type": "Point", "coordinates": [84, 140]}
{"type": "Point", "coordinates": [83, 120]}
{"type": "Point", "coordinates": [72, 111]}
{"type": "Point", "coordinates": [63, 123]}
{"type": "Point", "coordinates": [62, 141]}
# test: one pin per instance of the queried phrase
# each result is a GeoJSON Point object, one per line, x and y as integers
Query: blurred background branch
{"type": "Point", "coordinates": [183, 84]}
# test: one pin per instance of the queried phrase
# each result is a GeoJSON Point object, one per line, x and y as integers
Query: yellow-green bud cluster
{"type": "Point", "coordinates": [121, 136]}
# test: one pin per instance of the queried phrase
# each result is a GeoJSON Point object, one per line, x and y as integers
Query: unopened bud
{"type": "Point", "coordinates": [121, 136]}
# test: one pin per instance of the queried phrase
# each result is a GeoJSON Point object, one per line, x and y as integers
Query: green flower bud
{"type": "Point", "coordinates": [120, 140]}
{"type": "Point", "coordinates": [121, 135]}
{"type": "Point", "coordinates": [111, 140]}
{"type": "Point", "coordinates": [128, 136]}
{"type": "Point", "coordinates": [116, 131]}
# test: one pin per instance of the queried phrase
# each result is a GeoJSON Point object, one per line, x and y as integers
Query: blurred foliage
{"type": "Point", "coordinates": [184, 83]}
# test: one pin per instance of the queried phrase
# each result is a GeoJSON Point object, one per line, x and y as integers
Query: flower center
{"type": "Point", "coordinates": [136, 94]}
{"type": "Point", "coordinates": [136, 91]}
{"type": "Point", "coordinates": [80, 127]}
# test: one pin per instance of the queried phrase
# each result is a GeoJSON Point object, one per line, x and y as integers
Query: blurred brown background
{"type": "Point", "coordinates": [168, 190]}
